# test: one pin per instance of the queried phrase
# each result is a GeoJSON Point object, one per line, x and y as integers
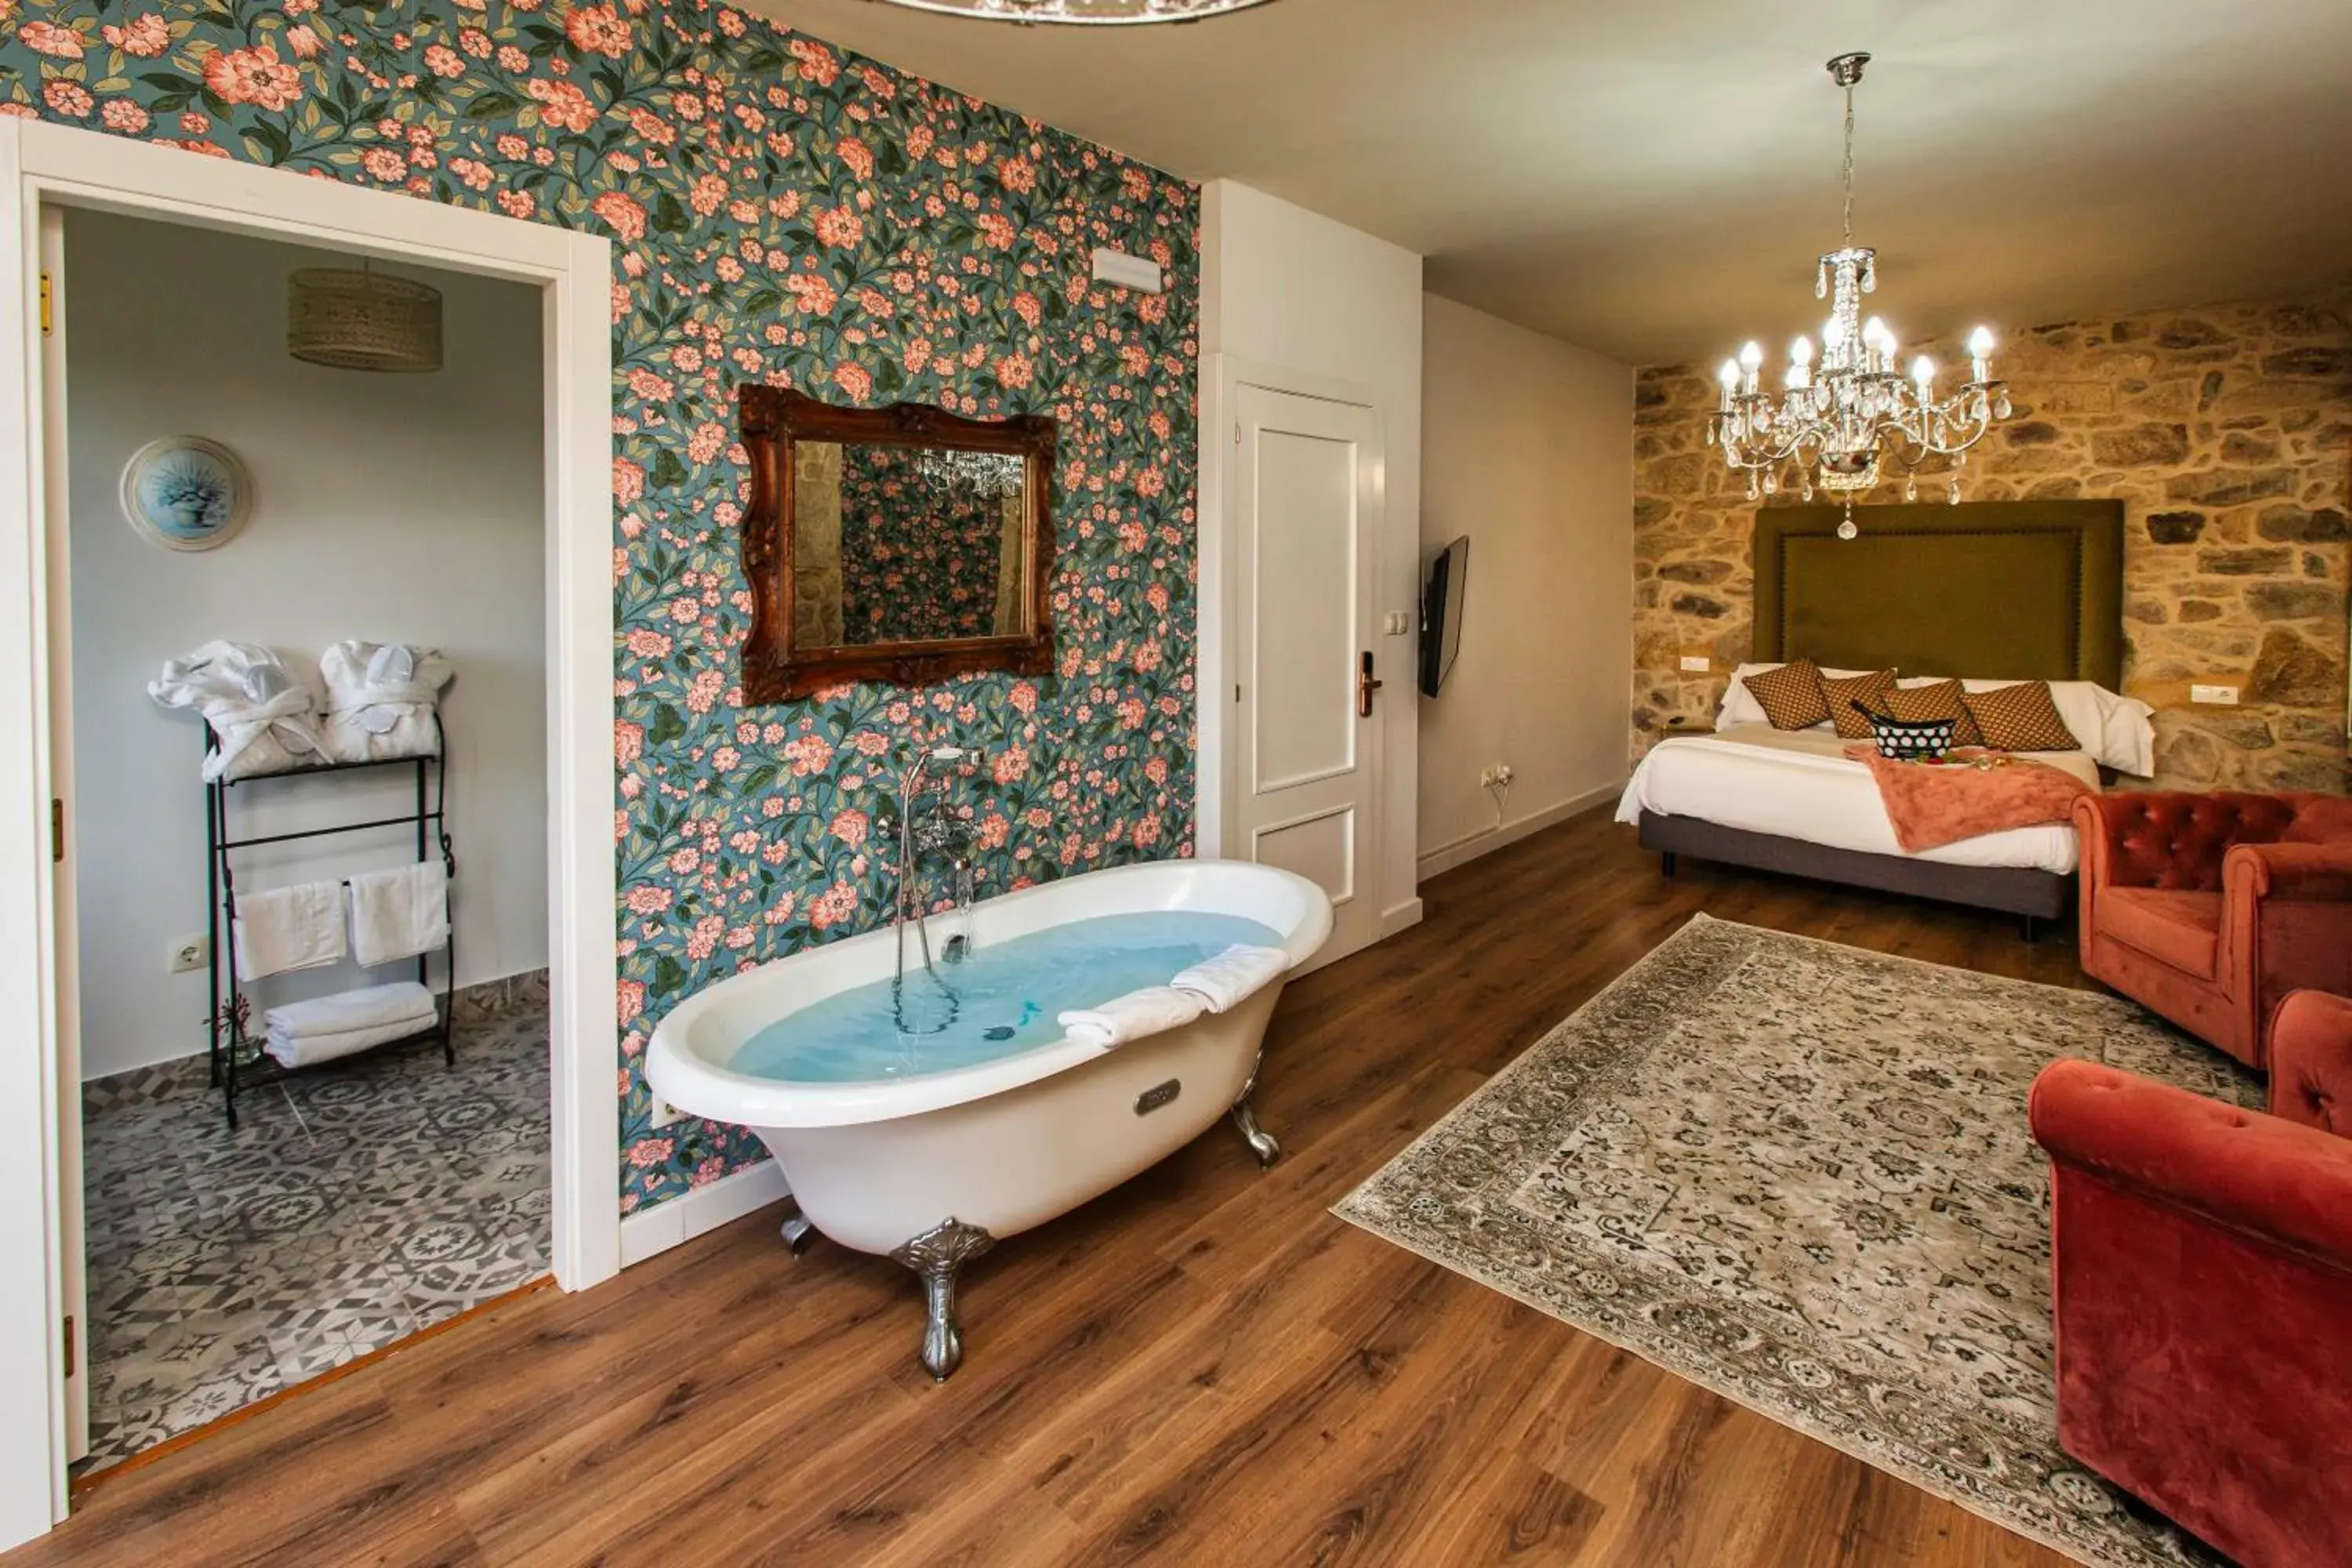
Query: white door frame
{"type": "Point", "coordinates": [43, 165]}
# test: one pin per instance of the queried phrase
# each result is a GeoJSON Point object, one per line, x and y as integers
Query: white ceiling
{"type": "Point", "coordinates": [1652, 178]}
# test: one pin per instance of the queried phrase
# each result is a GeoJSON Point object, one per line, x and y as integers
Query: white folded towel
{"type": "Point", "coordinates": [325, 1027]}
{"type": "Point", "coordinates": [400, 913]}
{"type": "Point", "coordinates": [1150, 1011]}
{"type": "Point", "coordinates": [1242, 970]}
{"type": "Point", "coordinates": [289, 928]}
{"type": "Point", "coordinates": [309, 1050]}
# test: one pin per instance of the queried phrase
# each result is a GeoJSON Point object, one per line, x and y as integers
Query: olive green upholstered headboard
{"type": "Point", "coordinates": [2009, 590]}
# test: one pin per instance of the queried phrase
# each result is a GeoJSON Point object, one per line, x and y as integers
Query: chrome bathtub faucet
{"type": "Point", "coordinates": [939, 830]}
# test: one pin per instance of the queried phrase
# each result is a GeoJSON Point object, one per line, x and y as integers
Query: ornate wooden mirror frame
{"type": "Point", "coordinates": [774, 420]}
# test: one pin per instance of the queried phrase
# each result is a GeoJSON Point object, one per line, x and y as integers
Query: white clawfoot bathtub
{"type": "Point", "coordinates": [931, 1169]}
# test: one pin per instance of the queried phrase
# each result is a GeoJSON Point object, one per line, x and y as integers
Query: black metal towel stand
{"type": "Point", "coordinates": [237, 1059]}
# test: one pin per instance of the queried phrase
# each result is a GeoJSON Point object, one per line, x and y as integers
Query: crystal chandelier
{"type": "Point", "coordinates": [1097, 12]}
{"type": "Point", "coordinates": [1838, 423]}
{"type": "Point", "coordinates": [992, 475]}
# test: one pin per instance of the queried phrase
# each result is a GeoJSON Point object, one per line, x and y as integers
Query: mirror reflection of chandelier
{"type": "Point", "coordinates": [1837, 423]}
{"type": "Point", "coordinates": [1101, 13]}
{"type": "Point", "coordinates": [994, 475]}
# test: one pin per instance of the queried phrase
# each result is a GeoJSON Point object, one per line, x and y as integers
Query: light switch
{"type": "Point", "coordinates": [1698, 663]}
{"type": "Point", "coordinates": [2214, 696]}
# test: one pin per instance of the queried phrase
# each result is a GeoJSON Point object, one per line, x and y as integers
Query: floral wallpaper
{"type": "Point", "coordinates": [783, 213]}
{"type": "Point", "coordinates": [919, 558]}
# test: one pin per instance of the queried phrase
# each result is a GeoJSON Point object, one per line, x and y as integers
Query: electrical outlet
{"type": "Point", "coordinates": [1696, 663]}
{"type": "Point", "coordinates": [186, 952]}
{"type": "Point", "coordinates": [2214, 696]}
{"type": "Point", "coordinates": [664, 1113]}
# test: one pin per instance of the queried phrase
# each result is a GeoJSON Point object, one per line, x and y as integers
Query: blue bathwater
{"type": "Point", "coordinates": [1007, 995]}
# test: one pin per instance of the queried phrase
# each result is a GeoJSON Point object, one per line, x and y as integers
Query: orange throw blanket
{"type": "Point", "coordinates": [1931, 806]}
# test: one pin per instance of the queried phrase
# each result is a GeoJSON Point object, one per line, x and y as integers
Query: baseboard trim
{"type": "Point", "coordinates": [1403, 917]}
{"type": "Point", "coordinates": [651, 1232]}
{"type": "Point", "coordinates": [1461, 851]}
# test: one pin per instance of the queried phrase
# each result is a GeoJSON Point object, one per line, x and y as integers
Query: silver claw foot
{"type": "Point", "coordinates": [797, 1230]}
{"type": "Point", "coordinates": [938, 1255]}
{"type": "Point", "coordinates": [1264, 1144]}
{"type": "Point", "coordinates": [1261, 1143]}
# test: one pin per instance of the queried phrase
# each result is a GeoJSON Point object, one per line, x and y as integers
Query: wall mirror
{"type": "Point", "coordinates": [902, 545]}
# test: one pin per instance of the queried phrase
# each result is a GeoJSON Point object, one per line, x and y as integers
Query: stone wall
{"type": "Point", "coordinates": [2227, 433]}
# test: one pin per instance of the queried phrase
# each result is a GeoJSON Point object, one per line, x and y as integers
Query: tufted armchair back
{"type": "Point", "coordinates": [2310, 1062]}
{"type": "Point", "coordinates": [2178, 842]}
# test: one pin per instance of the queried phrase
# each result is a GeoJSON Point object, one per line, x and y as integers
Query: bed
{"type": "Point", "coordinates": [1992, 592]}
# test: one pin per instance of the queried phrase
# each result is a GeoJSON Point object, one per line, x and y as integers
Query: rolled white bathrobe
{"type": "Point", "coordinates": [1153, 1010]}
{"type": "Point", "coordinates": [265, 718]}
{"type": "Point", "coordinates": [381, 700]}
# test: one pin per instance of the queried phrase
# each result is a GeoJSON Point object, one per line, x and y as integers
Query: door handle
{"type": "Point", "coordinates": [1365, 687]}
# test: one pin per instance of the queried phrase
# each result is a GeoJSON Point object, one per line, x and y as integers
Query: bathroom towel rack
{"type": "Point", "coordinates": [236, 1058]}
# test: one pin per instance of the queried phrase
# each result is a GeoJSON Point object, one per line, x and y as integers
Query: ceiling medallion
{"type": "Point", "coordinates": [1837, 423]}
{"type": "Point", "coordinates": [1083, 13]}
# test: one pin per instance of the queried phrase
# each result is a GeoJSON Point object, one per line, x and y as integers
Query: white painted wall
{"type": "Point", "coordinates": [1528, 449]}
{"type": "Point", "coordinates": [394, 508]}
{"type": "Point", "coordinates": [1283, 287]}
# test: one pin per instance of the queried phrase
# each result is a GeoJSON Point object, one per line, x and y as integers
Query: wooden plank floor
{"type": "Point", "coordinates": [1201, 1367]}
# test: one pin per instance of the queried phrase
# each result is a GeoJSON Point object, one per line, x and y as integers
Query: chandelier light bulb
{"type": "Point", "coordinates": [1751, 356]}
{"type": "Point", "coordinates": [1923, 371]}
{"type": "Point", "coordinates": [1980, 353]}
{"type": "Point", "coordinates": [1802, 352]}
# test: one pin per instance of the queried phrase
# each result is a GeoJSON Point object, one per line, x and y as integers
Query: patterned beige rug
{"type": "Point", "coordinates": [1800, 1175]}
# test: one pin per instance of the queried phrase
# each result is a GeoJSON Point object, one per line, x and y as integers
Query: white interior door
{"type": "Point", "coordinates": [65, 931]}
{"type": "Point", "coordinates": [1306, 516]}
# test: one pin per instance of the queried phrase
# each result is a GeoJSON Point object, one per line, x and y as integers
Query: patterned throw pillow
{"type": "Point", "coordinates": [1791, 696]}
{"type": "Point", "coordinates": [1942, 700]}
{"type": "Point", "coordinates": [2021, 718]}
{"type": "Point", "coordinates": [1870, 690]}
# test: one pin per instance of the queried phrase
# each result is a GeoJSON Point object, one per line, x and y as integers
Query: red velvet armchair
{"type": "Point", "coordinates": [2209, 909]}
{"type": "Point", "coordinates": [2201, 1278]}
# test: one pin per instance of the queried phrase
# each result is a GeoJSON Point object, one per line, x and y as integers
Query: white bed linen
{"type": "Point", "coordinates": [1802, 784]}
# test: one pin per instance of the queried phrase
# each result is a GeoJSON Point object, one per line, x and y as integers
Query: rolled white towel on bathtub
{"type": "Point", "coordinates": [1153, 1010]}
{"type": "Point", "coordinates": [1242, 970]}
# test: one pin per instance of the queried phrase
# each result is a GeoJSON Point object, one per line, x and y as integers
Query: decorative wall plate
{"type": "Point", "coordinates": [184, 492]}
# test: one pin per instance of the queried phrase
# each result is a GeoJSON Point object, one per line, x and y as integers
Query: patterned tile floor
{"type": "Point", "coordinates": [356, 1204]}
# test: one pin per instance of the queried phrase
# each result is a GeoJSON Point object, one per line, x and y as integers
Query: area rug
{"type": "Point", "coordinates": [1800, 1175]}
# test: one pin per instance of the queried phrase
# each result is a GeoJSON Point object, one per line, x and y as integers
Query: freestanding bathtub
{"type": "Point", "coordinates": [932, 1169]}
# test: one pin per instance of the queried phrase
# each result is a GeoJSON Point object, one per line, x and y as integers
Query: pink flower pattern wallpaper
{"type": "Point", "coordinates": [919, 558]}
{"type": "Point", "coordinates": [782, 213]}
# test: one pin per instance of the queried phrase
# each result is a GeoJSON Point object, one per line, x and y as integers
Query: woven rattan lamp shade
{"type": "Point", "coordinates": [363, 321]}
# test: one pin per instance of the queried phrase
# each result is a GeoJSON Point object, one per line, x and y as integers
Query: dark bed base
{"type": "Point", "coordinates": [2013, 890]}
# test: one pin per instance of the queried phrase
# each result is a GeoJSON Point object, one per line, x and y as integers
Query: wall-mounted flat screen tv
{"type": "Point", "coordinates": [1441, 613]}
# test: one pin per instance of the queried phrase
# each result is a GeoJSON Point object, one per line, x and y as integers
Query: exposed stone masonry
{"type": "Point", "coordinates": [2227, 433]}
